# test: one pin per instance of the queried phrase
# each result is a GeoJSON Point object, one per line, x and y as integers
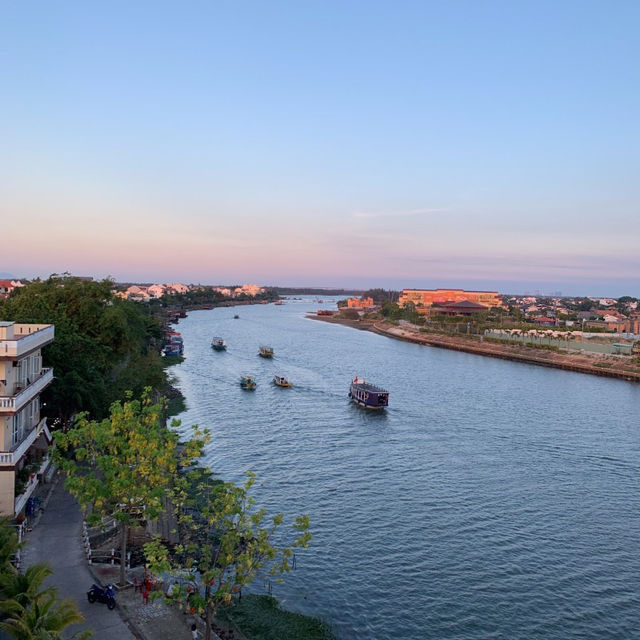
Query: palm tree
{"type": "Point", "coordinates": [32, 612]}
{"type": "Point", "coordinates": [9, 546]}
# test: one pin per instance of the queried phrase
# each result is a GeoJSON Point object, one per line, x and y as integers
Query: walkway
{"type": "Point", "coordinates": [56, 541]}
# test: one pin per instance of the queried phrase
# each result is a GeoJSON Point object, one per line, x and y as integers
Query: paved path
{"type": "Point", "coordinates": [56, 541]}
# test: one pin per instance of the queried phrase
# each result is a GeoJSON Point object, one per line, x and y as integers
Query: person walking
{"type": "Point", "coordinates": [194, 632]}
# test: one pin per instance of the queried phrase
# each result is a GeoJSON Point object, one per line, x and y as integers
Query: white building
{"type": "Point", "coordinates": [24, 436]}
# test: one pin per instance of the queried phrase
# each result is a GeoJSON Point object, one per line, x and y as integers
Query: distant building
{"type": "Point", "coordinates": [360, 303]}
{"type": "Point", "coordinates": [24, 436]}
{"type": "Point", "coordinates": [461, 308]}
{"type": "Point", "coordinates": [7, 286]}
{"type": "Point", "coordinates": [425, 298]}
{"type": "Point", "coordinates": [156, 290]}
{"type": "Point", "coordinates": [249, 289]}
{"type": "Point", "coordinates": [177, 287]}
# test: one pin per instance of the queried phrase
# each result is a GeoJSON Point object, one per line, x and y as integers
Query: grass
{"type": "Point", "coordinates": [175, 406]}
{"type": "Point", "coordinates": [261, 618]}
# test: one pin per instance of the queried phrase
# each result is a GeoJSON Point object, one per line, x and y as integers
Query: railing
{"type": "Point", "coordinates": [21, 500]}
{"type": "Point", "coordinates": [14, 402]}
{"type": "Point", "coordinates": [27, 341]}
{"type": "Point", "coordinates": [12, 457]}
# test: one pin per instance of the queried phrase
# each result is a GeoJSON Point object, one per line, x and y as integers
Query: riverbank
{"type": "Point", "coordinates": [580, 362]}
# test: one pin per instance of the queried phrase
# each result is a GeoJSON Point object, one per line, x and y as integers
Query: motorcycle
{"type": "Point", "coordinates": [100, 594]}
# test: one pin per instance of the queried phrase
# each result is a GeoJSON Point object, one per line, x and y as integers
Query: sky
{"type": "Point", "coordinates": [436, 143]}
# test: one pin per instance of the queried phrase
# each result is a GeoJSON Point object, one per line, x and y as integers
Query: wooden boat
{"type": "Point", "coordinates": [248, 382]}
{"type": "Point", "coordinates": [265, 352]}
{"type": "Point", "coordinates": [236, 317]}
{"type": "Point", "coordinates": [219, 344]}
{"type": "Point", "coordinates": [281, 381]}
{"type": "Point", "coordinates": [368, 395]}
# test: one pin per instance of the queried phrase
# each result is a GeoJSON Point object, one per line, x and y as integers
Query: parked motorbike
{"type": "Point", "coordinates": [100, 594]}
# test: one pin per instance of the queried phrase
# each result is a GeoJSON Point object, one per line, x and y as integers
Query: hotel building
{"type": "Point", "coordinates": [24, 436]}
{"type": "Point", "coordinates": [425, 298]}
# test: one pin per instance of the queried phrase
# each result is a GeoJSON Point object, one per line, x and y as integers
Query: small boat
{"type": "Point", "coordinates": [236, 317]}
{"type": "Point", "coordinates": [265, 352]}
{"type": "Point", "coordinates": [172, 349]}
{"type": "Point", "coordinates": [248, 382]}
{"type": "Point", "coordinates": [219, 344]}
{"type": "Point", "coordinates": [368, 395]}
{"type": "Point", "coordinates": [278, 302]}
{"type": "Point", "coordinates": [281, 381]}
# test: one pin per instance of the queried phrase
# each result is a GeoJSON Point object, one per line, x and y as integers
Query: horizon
{"type": "Point", "coordinates": [537, 291]}
{"type": "Point", "coordinates": [478, 145]}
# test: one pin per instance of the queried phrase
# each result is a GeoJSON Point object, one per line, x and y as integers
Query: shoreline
{"type": "Point", "coordinates": [576, 362]}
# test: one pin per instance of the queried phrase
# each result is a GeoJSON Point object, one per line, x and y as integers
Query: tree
{"type": "Point", "coordinates": [40, 617]}
{"type": "Point", "coordinates": [124, 465]}
{"type": "Point", "coordinates": [104, 345]}
{"type": "Point", "coordinates": [229, 541]}
{"type": "Point", "coordinates": [29, 611]}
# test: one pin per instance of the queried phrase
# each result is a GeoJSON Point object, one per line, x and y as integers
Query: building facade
{"type": "Point", "coordinates": [24, 436]}
{"type": "Point", "coordinates": [360, 303]}
{"type": "Point", "coordinates": [427, 297]}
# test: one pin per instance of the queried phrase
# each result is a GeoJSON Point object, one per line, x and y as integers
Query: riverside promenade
{"type": "Point", "coordinates": [56, 540]}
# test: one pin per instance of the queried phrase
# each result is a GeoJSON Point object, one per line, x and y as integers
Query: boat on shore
{"type": "Point", "coordinates": [248, 382]}
{"type": "Point", "coordinates": [368, 395]}
{"type": "Point", "coordinates": [219, 344]}
{"type": "Point", "coordinates": [281, 381]}
{"type": "Point", "coordinates": [265, 352]}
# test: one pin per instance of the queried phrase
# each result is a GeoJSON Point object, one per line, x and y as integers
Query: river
{"type": "Point", "coordinates": [490, 500]}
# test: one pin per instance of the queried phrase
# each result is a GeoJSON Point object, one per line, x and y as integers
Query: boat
{"type": "Point", "coordinates": [248, 382]}
{"type": "Point", "coordinates": [236, 317]}
{"type": "Point", "coordinates": [278, 302]}
{"type": "Point", "coordinates": [368, 395]}
{"type": "Point", "coordinates": [219, 344]}
{"type": "Point", "coordinates": [171, 349]}
{"type": "Point", "coordinates": [265, 352]}
{"type": "Point", "coordinates": [281, 381]}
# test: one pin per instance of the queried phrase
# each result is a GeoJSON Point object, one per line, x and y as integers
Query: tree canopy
{"type": "Point", "coordinates": [103, 346]}
{"type": "Point", "coordinates": [123, 466]}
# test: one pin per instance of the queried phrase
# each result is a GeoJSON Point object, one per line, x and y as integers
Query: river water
{"type": "Point", "coordinates": [490, 500]}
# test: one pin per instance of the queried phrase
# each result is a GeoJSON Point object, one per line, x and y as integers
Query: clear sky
{"type": "Point", "coordinates": [481, 144]}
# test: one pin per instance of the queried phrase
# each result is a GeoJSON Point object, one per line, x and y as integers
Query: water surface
{"type": "Point", "coordinates": [491, 500]}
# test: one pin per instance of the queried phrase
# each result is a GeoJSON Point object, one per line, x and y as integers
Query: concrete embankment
{"type": "Point", "coordinates": [610, 367]}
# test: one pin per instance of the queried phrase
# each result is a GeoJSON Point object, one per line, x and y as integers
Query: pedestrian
{"type": "Point", "coordinates": [194, 632]}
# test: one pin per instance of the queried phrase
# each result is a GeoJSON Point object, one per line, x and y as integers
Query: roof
{"type": "Point", "coordinates": [463, 304]}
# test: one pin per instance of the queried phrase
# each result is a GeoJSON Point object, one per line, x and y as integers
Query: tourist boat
{"type": "Point", "coordinates": [281, 381]}
{"type": "Point", "coordinates": [219, 344]}
{"type": "Point", "coordinates": [248, 382]}
{"type": "Point", "coordinates": [266, 352]}
{"type": "Point", "coordinates": [236, 317]}
{"type": "Point", "coordinates": [368, 395]}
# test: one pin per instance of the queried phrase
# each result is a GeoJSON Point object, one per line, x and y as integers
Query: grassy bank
{"type": "Point", "coordinates": [261, 618]}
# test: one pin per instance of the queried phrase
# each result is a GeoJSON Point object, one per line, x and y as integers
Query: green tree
{"type": "Point", "coordinates": [28, 610]}
{"type": "Point", "coordinates": [230, 542]}
{"type": "Point", "coordinates": [41, 617]}
{"type": "Point", "coordinates": [104, 345]}
{"type": "Point", "coordinates": [124, 465]}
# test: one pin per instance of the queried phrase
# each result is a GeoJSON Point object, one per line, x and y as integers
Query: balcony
{"type": "Point", "coordinates": [15, 402]}
{"type": "Point", "coordinates": [26, 338]}
{"type": "Point", "coordinates": [34, 481]}
{"type": "Point", "coordinates": [11, 458]}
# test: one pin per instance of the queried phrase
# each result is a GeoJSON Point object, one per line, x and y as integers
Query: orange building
{"type": "Point", "coordinates": [427, 297]}
{"type": "Point", "coordinates": [359, 303]}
